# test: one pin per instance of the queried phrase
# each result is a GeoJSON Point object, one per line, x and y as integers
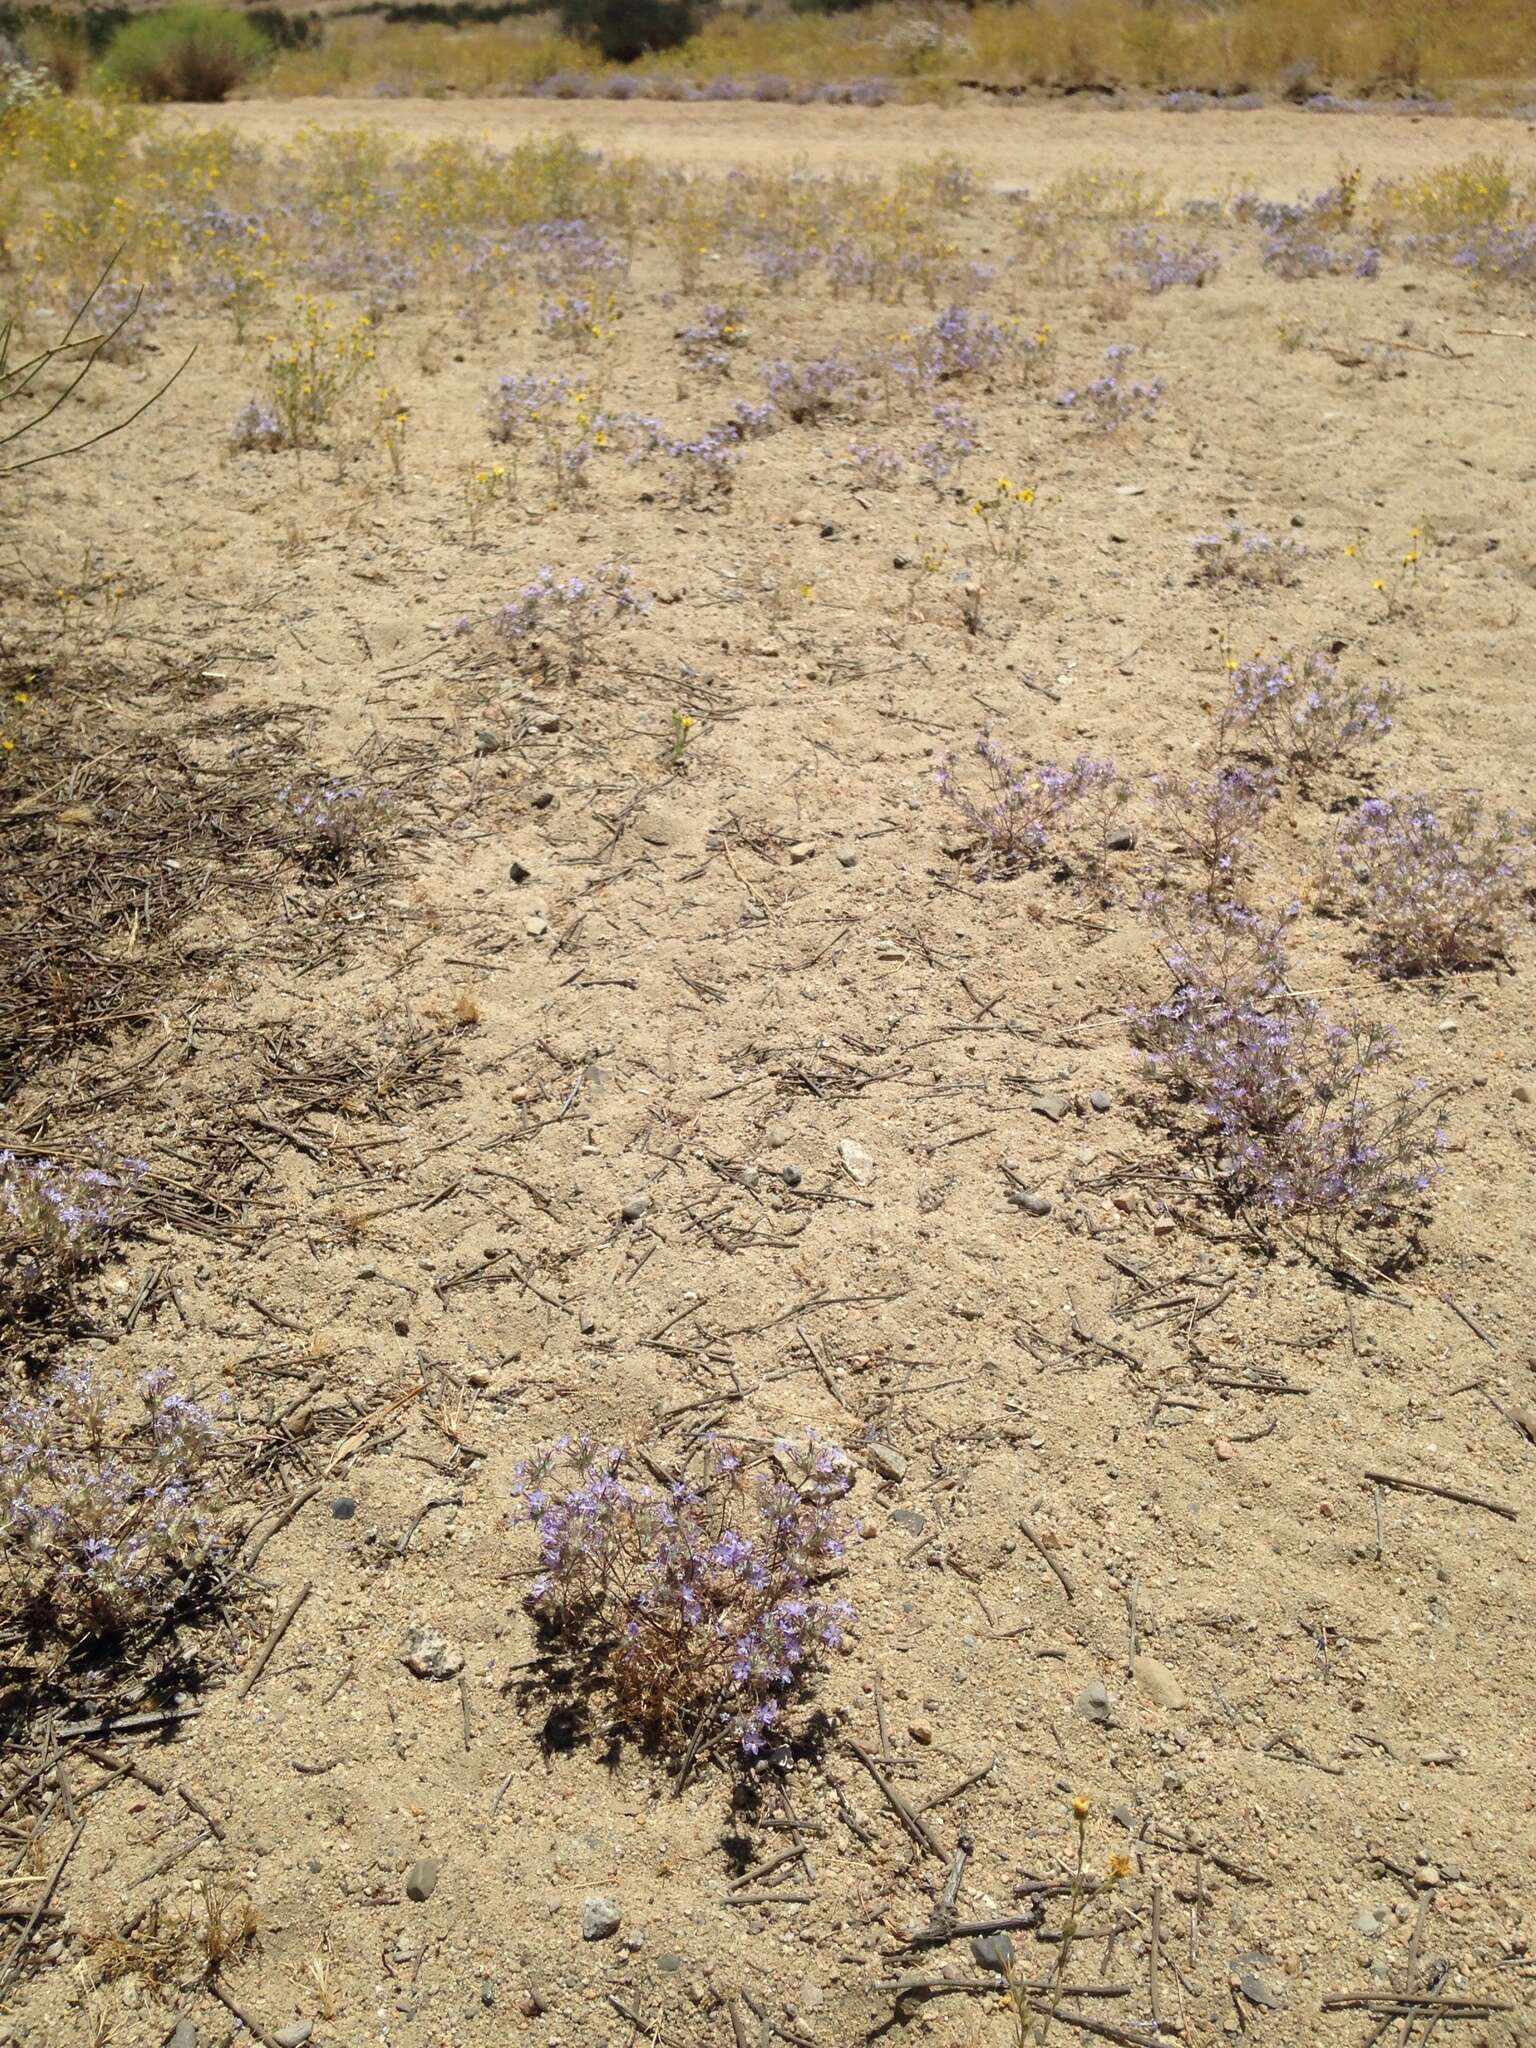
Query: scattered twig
{"type": "Point", "coordinates": [1467, 1500]}
{"type": "Point", "coordinates": [280, 1628]}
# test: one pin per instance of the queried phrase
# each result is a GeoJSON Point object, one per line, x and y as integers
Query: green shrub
{"type": "Point", "coordinates": [186, 53]}
{"type": "Point", "coordinates": [626, 29]}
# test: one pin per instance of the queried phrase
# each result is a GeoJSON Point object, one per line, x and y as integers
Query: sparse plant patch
{"type": "Point", "coordinates": [1438, 886]}
{"type": "Point", "coordinates": [1273, 1093]}
{"type": "Point", "coordinates": [1298, 712]}
{"type": "Point", "coordinates": [701, 1600]}
{"type": "Point", "coordinates": [557, 623]}
{"type": "Point", "coordinates": [1239, 555]}
{"type": "Point", "coordinates": [57, 1220]}
{"type": "Point", "coordinates": [1030, 817]}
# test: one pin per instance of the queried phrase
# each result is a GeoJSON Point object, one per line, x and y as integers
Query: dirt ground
{"type": "Point", "coordinates": [430, 1097]}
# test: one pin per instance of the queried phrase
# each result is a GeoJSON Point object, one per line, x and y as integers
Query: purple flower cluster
{"type": "Point", "coordinates": [780, 259]}
{"type": "Point", "coordinates": [1161, 264]}
{"type": "Point", "coordinates": [1437, 886]}
{"type": "Point", "coordinates": [805, 391]}
{"type": "Point", "coordinates": [1025, 817]}
{"type": "Point", "coordinates": [521, 406]}
{"type": "Point", "coordinates": [1295, 254]}
{"type": "Point", "coordinates": [958, 343]}
{"type": "Point", "coordinates": [707, 346]}
{"type": "Point", "coordinates": [100, 1524]}
{"type": "Point", "coordinates": [331, 821]}
{"type": "Point", "coordinates": [383, 276]}
{"type": "Point", "coordinates": [879, 469]}
{"type": "Point", "coordinates": [701, 1595]}
{"type": "Point", "coordinates": [1188, 101]}
{"type": "Point", "coordinates": [558, 621]}
{"type": "Point", "coordinates": [1238, 555]}
{"type": "Point", "coordinates": [1302, 716]}
{"type": "Point", "coordinates": [257, 426]}
{"type": "Point", "coordinates": [56, 1220]}
{"type": "Point", "coordinates": [1214, 823]}
{"type": "Point", "coordinates": [1504, 255]}
{"type": "Point", "coordinates": [1111, 400]}
{"type": "Point", "coordinates": [1275, 1088]}
{"type": "Point", "coordinates": [957, 435]}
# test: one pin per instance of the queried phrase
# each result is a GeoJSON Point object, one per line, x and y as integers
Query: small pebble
{"type": "Point", "coordinates": [429, 1654]}
{"type": "Point", "coordinates": [488, 742]}
{"type": "Point", "coordinates": [294, 2036]}
{"type": "Point", "coordinates": [669, 1962]}
{"type": "Point", "coordinates": [487, 1992]}
{"type": "Point", "coordinates": [1094, 1704]}
{"type": "Point", "coordinates": [1120, 841]}
{"type": "Point", "coordinates": [1522, 1092]}
{"type": "Point", "coordinates": [183, 2035]}
{"type": "Point", "coordinates": [343, 1507]}
{"type": "Point", "coordinates": [1053, 1106]}
{"type": "Point", "coordinates": [910, 1520]}
{"type": "Point", "coordinates": [791, 1176]}
{"type": "Point", "coordinates": [1224, 1451]}
{"type": "Point", "coordinates": [519, 873]}
{"type": "Point", "coordinates": [1031, 1203]}
{"type": "Point", "coordinates": [992, 1952]}
{"type": "Point", "coordinates": [1426, 1877]}
{"type": "Point", "coordinates": [599, 1918]}
{"type": "Point", "coordinates": [421, 1880]}
{"type": "Point", "coordinates": [1100, 1101]}
{"type": "Point", "coordinates": [531, 2004]}
{"type": "Point", "coordinates": [921, 1731]}
{"type": "Point", "coordinates": [635, 1208]}
{"type": "Point", "coordinates": [536, 927]}
{"type": "Point", "coordinates": [847, 856]}
{"type": "Point", "coordinates": [802, 852]}
{"type": "Point", "coordinates": [888, 1463]}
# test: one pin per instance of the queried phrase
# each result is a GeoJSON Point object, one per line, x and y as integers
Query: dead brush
{"type": "Point", "coordinates": [166, 1948]}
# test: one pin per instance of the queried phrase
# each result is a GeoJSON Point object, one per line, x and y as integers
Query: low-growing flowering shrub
{"type": "Point", "coordinates": [1239, 555]}
{"type": "Point", "coordinates": [1214, 823]}
{"type": "Point", "coordinates": [1437, 886]}
{"type": "Point", "coordinates": [57, 1219]}
{"type": "Point", "coordinates": [1030, 817]}
{"type": "Point", "coordinates": [805, 391]}
{"type": "Point", "coordinates": [329, 822]}
{"type": "Point", "coordinates": [558, 622]}
{"type": "Point", "coordinates": [1275, 1091]}
{"type": "Point", "coordinates": [1111, 400]}
{"type": "Point", "coordinates": [956, 436]}
{"type": "Point", "coordinates": [707, 346]}
{"type": "Point", "coordinates": [1004, 514]}
{"type": "Point", "coordinates": [879, 469]}
{"type": "Point", "coordinates": [257, 426]}
{"type": "Point", "coordinates": [1296, 254]}
{"type": "Point", "coordinates": [1161, 264]}
{"type": "Point", "coordinates": [102, 1524]}
{"type": "Point", "coordinates": [700, 1597]}
{"type": "Point", "coordinates": [1298, 713]}
{"type": "Point", "coordinates": [553, 418]}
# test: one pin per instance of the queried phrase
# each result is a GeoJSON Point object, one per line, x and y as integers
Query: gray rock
{"type": "Point", "coordinates": [1120, 841]}
{"type": "Point", "coordinates": [487, 1992]}
{"type": "Point", "coordinates": [791, 1176]}
{"type": "Point", "coordinates": [1370, 1925]}
{"type": "Point", "coordinates": [1159, 1683]}
{"type": "Point", "coordinates": [669, 1962]}
{"type": "Point", "coordinates": [1053, 1106]}
{"type": "Point", "coordinates": [804, 851]}
{"type": "Point", "coordinates": [421, 1879]}
{"type": "Point", "coordinates": [992, 1952]}
{"type": "Point", "coordinates": [183, 2034]}
{"type": "Point", "coordinates": [429, 1654]}
{"type": "Point", "coordinates": [294, 2036]}
{"type": "Point", "coordinates": [1100, 1101]}
{"type": "Point", "coordinates": [1031, 1203]}
{"type": "Point", "coordinates": [858, 1161]}
{"type": "Point", "coordinates": [888, 1463]}
{"type": "Point", "coordinates": [520, 874]}
{"type": "Point", "coordinates": [635, 1208]}
{"type": "Point", "coordinates": [489, 742]}
{"type": "Point", "coordinates": [599, 1918]}
{"type": "Point", "coordinates": [847, 856]}
{"type": "Point", "coordinates": [1522, 1092]}
{"type": "Point", "coordinates": [1094, 1704]}
{"type": "Point", "coordinates": [343, 1507]}
{"type": "Point", "coordinates": [910, 1520]}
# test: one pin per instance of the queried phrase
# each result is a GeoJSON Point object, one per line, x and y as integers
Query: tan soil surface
{"type": "Point", "coordinates": [675, 996]}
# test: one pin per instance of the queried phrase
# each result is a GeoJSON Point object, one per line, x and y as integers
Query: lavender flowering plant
{"type": "Point", "coordinates": [558, 621]}
{"type": "Point", "coordinates": [1111, 400]}
{"type": "Point", "coordinates": [1238, 555]}
{"type": "Point", "coordinates": [330, 821]}
{"type": "Point", "coordinates": [101, 1524]}
{"type": "Point", "coordinates": [57, 1219]}
{"type": "Point", "coordinates": [1301, 716]}
{"type": "Point", "coordinates": [1214, 823]}
{"type": "Point", "coordinates": [1026, 817]}
{"type": "Point", "coordinates": [1437, 886]}
{"type": "Point", "coordinates": [700, 1597]}
{"type": "Point", "coordinates": [1276, 1089]}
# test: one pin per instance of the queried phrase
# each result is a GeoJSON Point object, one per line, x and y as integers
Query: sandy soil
{"type": "Point", "coordinates": [1325, 1778]}
{"type": "Point", "coordinates": [1023, 141]}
